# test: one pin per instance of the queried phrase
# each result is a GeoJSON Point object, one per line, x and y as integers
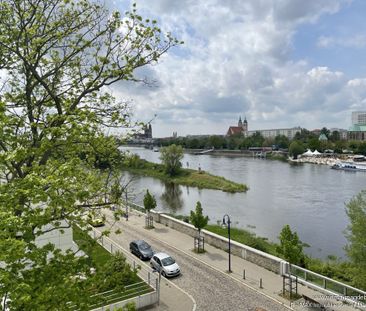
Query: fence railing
{"type": "Point", "coordinates": [144, 293]}
{"type": "Point", "coordinates": [321, 283]}
{"type": "Point", "coordinates": [339, 290]}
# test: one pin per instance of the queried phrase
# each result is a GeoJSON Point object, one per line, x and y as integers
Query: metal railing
{"type": "Point", "coordinates": [142, 293]}
{"type": "Point", "coordinates": [339, 290]}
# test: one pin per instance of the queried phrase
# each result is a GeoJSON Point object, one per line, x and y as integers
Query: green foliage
{"type": "Point", "coordinates": [244, 237]}
{"type": "Point", "coordinates": [115, 274]}
{"type": "Point", "coordinates": [57, 56]}
{"type": "Point", "coordinates": [314, 144]}
{"type": "Point", "coordinates": [282, 141]}
{"type": "Point", "coordinates": [187, 177]}
{"type": "Point", "coordinates": [197, 219]}
{"type": "Point", "coordinates": [149, 201]}
{"type": "Point", "coordinates": [296, 148]}
{"type": "Point", "coordinates": [356, 236]}
{"type": "Point", "coordinates": [291, 248]}
{"type": "Point", "coordinates": [171, 157]}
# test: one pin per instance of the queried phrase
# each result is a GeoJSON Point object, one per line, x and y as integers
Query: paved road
{"type": "Point", "coordinates": [211, 289]}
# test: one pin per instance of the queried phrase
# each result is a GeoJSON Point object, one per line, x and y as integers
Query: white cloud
{"type": "Point", "coordinates": [236, 60]}
{"type": "Point", "coordinates": [355, 41]}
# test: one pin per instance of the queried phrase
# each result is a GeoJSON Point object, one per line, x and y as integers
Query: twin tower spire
{"type": "Point", "coordinates": [244, 124]}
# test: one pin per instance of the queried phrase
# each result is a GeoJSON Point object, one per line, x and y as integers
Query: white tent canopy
{"type": "Point", "coordinates": [316, 152]}
{"type": "Point", "coordinates": [308, 153]}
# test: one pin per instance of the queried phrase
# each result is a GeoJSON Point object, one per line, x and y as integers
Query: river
{"type": "Point", "coordinates": [310, 198]}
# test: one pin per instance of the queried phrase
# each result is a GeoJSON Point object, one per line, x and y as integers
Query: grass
{"type": "Point", "coordinates": [100, 257]}
{"type": "Point", "coordinates": [245, 237]}
{"type": "Point", "coordinates": [186, 177]}
{"type": "Point", "coordinates": [96, 252]}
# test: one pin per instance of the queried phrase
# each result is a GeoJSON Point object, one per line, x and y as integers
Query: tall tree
{"type": "Point", "coordinates": [149, 204]}
{"type": "Point", "coordinates": [57, 58]}
{"type": "Point", "coordinates": [356, 235]}
{"type": "Point", "coordinates": [171, 157]}
{"type": "Point", "coordinates": [197, 219]}
{"type": "Point", "coordinates": [296, 148]}
{"type": "Point", "coordinates": [290, 246]}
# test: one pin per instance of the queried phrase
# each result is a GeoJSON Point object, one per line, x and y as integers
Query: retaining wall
{"type": "Point", "coordinates": [260, 258]}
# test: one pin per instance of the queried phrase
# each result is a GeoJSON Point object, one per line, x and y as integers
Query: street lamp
{"type": "Point", "coordinates": [226, 220]}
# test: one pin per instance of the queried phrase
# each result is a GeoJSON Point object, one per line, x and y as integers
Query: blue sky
{"type": "Point", "coordinates": [280, 63]}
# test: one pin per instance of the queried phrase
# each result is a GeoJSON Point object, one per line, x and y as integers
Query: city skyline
{"type": "Point", "coordinates": [278, 63]}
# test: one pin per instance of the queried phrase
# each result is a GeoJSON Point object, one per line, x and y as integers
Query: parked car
{"type": "Point", "coordinates": [96, 220]}
{"type": "Point", "coordinates": [166, 264]}
{"type": "Point", "coordinates": [141, 249]}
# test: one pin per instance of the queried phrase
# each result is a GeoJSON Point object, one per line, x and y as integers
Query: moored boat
{"type": "Point", "coordinates": [348, 166]}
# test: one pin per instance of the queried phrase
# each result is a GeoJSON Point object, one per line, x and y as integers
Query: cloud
{"type": "Point", "coordinates": [236, 60]}
{"type": "Point", "coordinates": [355, 41]}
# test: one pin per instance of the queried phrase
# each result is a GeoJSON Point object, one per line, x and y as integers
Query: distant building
{"type": "Point", "coordinates": [146, 134]}
{"type": "Point", "coordinates": [241, 129]}
{"type": "Point", "coordinates": [358, 129]}
{"type": "Point", "coordinates": [359, 118]}
{"type": "Point", "coordinates": [343, 134]}
{"type": "Point", "coordinates": [272, 133]}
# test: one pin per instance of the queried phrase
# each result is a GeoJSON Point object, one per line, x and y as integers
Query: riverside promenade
{"type": "Point", "coordinates": [172, 298]}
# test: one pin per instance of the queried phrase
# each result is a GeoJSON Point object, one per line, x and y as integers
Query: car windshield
{"type": "Point", "coordinates": [144, 246]}
{"type": "Point", "coordinates": [167, 261]}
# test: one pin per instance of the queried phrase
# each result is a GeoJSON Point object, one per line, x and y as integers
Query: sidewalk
{"type": "Point", "coordinates": [257, 278]}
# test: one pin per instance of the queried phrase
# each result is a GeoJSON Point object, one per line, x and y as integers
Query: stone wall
{"type": "Point", "coordinates": [260, 258]}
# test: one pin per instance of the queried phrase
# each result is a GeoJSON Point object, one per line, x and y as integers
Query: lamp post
{"type": "Point", "coordinates": [226, 220]}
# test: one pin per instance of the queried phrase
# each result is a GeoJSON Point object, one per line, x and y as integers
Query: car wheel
{"type": "Point", "coordinates": [141, 257]}
{"type": "Point", "coordinates": [163, 274]}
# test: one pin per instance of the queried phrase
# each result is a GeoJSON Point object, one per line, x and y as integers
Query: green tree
{"type": "Point", "coordinates": [356, 236]}
{"type": "Point", "coordinates": [296, 148]}
{"type": "Point", "coordinates": [116, 274]}
{"type": "Point", "coordinates": [171, 157]}
{"type": "Point", "coordinates": [325, 131]}
{"type": "Point", "coordinates": [149, 204]}
{"type": "Point", "coordinates": [362, 148]}
{"type": "Point", "coordinates": [216, 142]}
{"type": "Point", "coordinates": [291, 248]}
{"type": "Point", "coordinates": [314, 144]}
{"type": "Point", "coordinates": [257, 139]}
{"type": "Point", "coordinates": [57, 58]}
{"type": "Point", "coordinates": [335, 136]}
{"type": "Point", "coordinates": [197, 219]}
{"type": "Point", "coordinates": [282, 141]}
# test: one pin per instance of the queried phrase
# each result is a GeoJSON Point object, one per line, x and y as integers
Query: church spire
{"type": "Point", "coordinates": [240, 123]}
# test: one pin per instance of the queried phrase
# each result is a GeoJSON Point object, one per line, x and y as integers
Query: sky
{"type": "Point", "coordinates": [277, 63]}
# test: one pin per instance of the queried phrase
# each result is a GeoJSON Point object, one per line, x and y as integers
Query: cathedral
{"type": "Point", "coordinates": [241, 129]}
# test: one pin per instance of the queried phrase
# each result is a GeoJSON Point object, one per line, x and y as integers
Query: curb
{"type": "Point", "coordinates": [222, 272]}
{"type": "Point", "coordinates": [167, 280]}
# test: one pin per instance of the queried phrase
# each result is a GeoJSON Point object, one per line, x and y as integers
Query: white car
{"type": "Point", "coordinates": [166, 264]}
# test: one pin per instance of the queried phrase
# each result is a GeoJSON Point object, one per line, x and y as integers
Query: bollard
{"type": "Point", "coordinates": [111, 248]}
{"type": "Point", "coordinates": [260, 283]}
{"type": "Point", "coordinates": [148, 278]}
{"type": "Point", "coordinates": [244, 274]}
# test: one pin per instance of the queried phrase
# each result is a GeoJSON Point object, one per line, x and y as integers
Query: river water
{"type": "Point", "coordinates": [310, 198]}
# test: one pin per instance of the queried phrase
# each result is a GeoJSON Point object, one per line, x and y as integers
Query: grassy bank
{"type": "Point", "coordinates": [186, 177]}
{"type": "Point", "coordinates": [245, 237]}
{"type": "Point", "coordinates": [331, 267]}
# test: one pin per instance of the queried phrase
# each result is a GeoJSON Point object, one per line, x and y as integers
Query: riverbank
{"type": "Point", "coordinates": [320, 160]}
{"type": "Point", "coordinates": [331, 267]}
{"type": "Point", "coordinates": [186, 177]}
